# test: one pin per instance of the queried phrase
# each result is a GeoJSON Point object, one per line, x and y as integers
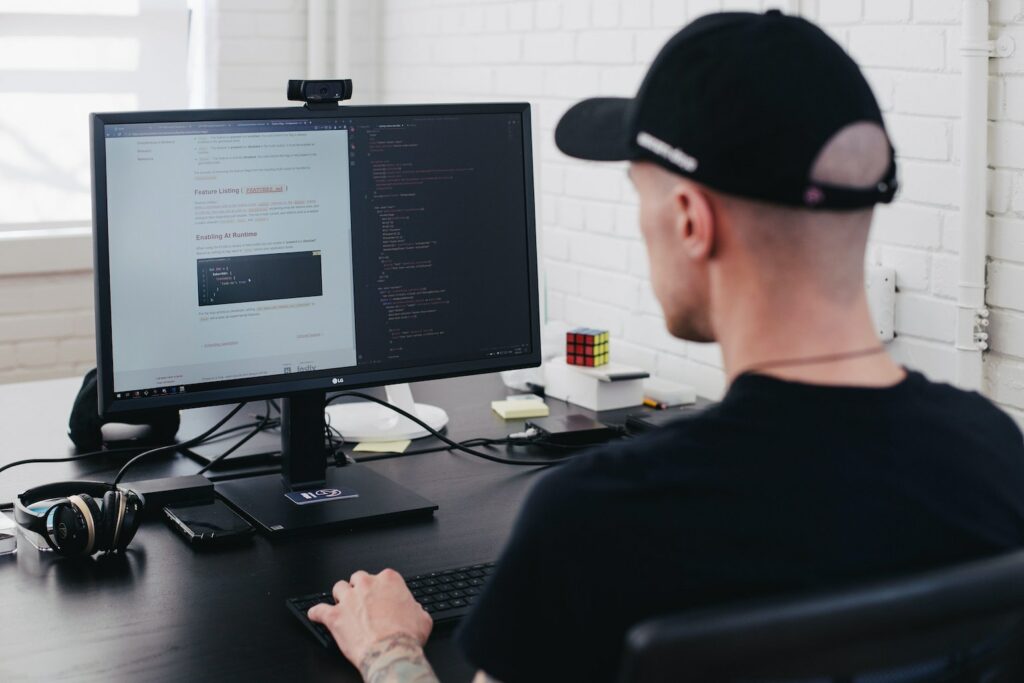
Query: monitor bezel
{"type": "Point", "coordinates": [280, 388]}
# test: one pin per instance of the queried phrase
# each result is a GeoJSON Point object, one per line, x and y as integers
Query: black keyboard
{"type": "Point", "coordinates": [446, 596]}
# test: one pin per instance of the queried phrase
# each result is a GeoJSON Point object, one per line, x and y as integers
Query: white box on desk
{"type": "Point", "coordinates": [592, 388]}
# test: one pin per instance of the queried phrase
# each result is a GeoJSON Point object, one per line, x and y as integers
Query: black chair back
{"type": "Point", "coordinates": [964, 623]}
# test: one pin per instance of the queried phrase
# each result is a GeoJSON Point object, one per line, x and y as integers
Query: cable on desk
{"type": "Point", "coordinates": [451, 443]}
{"type": "Point", "coordinates": [208, 436]}
{"type": "Point", "coordinates": [222, 435]}
{"type": "Point", "coordinates": [332, 437]}
{"type": "Point", "coordinates": [78, 456]}
{"type": "Point", "coordinates": [92, 454]}
{"type": "Point", "coordinates": [514, 440]}
{"type": "Point", "coordinates": [480, 441]}
{"type": "Point", "coordinates": [173, 447]}
{"type": "Point", "coordinates": [259, 427]}
{"type": "Point", "coordinates": [336, 440]}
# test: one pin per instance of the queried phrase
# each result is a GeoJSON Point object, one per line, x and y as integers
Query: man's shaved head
{"type": "Point", "coordinates": [826, 247]}
{"type": "Point", "coordinates": [779, 247]}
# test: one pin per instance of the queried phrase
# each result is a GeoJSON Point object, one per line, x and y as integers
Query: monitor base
{"type": "Point", "coordinates": [264, 500]}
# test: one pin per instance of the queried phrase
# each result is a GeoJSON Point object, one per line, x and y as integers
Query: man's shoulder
{"type": "Point", "coordinates": [948, 404]}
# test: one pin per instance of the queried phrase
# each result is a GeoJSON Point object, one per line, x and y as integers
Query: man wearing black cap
{"type": "Point", "coordinates": [758, 152]}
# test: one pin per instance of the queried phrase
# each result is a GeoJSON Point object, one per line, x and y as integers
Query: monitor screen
{"type": "Point", "coordinates": [256, 253]}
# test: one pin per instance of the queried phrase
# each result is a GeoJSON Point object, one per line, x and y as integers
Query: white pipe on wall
{"type": "Point", "coordinates": [971, 312]}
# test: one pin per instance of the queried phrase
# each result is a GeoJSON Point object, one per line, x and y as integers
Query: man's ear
{"type": "Point", "coordinates": [695, 220]}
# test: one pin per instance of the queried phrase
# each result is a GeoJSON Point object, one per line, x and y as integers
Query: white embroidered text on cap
{"type": "Point", "coordinates": [667, 151]}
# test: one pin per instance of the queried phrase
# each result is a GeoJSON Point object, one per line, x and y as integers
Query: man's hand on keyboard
{"type": "Point", "coordinates": [377, 624]}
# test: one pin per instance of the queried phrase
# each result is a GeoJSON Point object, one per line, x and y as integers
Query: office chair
{"type": "Point", "coordinates": [964, 623]}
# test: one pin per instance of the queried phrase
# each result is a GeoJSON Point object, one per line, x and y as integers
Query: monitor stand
{"type": "Point", "coordinates": [309, 495]}
{"type": "Point", "coordinates": [365, 421]}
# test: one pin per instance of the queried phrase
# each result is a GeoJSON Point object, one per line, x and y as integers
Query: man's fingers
{"type": "Point", "coordinates": [340, 589]}
{"type": "Point", "coordinates": [318, 612]}
{"type": "Point", "coordinates": [359, 577]}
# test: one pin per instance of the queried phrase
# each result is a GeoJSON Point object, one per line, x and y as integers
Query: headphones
{"type": "Point", "coordinates": [81, 526]}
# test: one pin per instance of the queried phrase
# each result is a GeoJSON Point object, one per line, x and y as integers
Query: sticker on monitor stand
{"type": "Point", "coordinates": [320, 495]}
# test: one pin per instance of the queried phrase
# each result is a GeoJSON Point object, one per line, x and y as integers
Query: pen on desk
{"type": "Point", "coordinates": [651, 403]}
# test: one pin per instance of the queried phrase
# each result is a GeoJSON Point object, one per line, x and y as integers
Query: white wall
{"type": "Point", "coordinates": [46, 319]}
{"type": "Point", "coordinates": [255, 46]}
{"type": "Point", "coordinates": [46, 326]}
{"type": "Point", "coordinates": [554, 52]}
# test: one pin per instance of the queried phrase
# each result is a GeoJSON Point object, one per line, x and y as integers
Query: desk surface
{"type": "Point", "coordinates": [165, 612]}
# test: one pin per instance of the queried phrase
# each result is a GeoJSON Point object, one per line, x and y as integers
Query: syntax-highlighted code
{"type": "Point", "coordinates": [260, 277]}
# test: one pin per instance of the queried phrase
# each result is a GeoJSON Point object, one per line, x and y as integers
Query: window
{"type": "Point", "coordinates": [59, 61]}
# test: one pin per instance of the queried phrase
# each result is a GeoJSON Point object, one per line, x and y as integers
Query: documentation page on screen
{"type": "Point", "coordinates": [230, 251]}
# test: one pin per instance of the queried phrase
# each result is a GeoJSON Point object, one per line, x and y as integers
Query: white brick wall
{"type": "Point", "coordinates": [553, 52]}
{"type": "Point", "coordinates": [46, 326]}
{"type": "Point", "coordinates": [567, 49]}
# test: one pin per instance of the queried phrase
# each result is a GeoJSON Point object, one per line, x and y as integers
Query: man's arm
{"type": "Point", "coordinates": [396, 658]}
{"type": "Point", "coordinates": [400, 659]}
{"type": "Point", "coordinates": [381, 628]}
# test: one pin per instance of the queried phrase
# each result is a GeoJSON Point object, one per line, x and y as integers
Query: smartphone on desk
{"type": "Point", "coordinates": [208, 524]}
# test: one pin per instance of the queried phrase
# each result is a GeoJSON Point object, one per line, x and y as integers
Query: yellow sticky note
{"type": "Point", "coordinates": [382, 446]}
{"type": "Point", "coordinates": [518, 410]}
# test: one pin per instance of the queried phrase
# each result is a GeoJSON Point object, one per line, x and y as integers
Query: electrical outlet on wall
{"type": "Point", "coordinates": [881, 287]}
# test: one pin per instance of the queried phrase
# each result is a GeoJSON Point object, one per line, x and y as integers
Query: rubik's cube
{"type": "Point", "coordinates": [585, 346]}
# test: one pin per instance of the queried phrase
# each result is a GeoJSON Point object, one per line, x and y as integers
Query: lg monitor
{"type": "Point", "coordinates": [284, 253]}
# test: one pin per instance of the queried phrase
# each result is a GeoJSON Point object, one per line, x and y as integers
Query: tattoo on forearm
{"type": "Point", "coordinates": [397, 659]}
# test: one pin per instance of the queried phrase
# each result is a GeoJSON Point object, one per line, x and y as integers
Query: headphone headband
{"type": "Point", "coordinates": [63, 489]}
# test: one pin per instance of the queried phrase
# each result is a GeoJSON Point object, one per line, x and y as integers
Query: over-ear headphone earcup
{"type": "Point", "coordinates": [111, 517]}
{"type": "Point", "coordinates": [97, 521]}
{"type": "Point", "coordinates": [73, 533]}
{"type": "Point", "coordinates": [134, 504]}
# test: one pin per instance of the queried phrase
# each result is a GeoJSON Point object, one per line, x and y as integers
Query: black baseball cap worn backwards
{"type": "Point", "coordinates": [742, 103]}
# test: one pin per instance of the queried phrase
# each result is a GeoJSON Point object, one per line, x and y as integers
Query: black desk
{"type": "Point", "coordinates": [166, 612]}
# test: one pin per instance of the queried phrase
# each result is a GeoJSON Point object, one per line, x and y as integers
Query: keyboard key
{"type": "Point", "coordinates": [475, 582]}
{"type": "Point", "coordinates": [458, 602]}
{"type": "Point", "coordinates": [442, 606]}
{"type": "Point", "coordinates": [459, 584]}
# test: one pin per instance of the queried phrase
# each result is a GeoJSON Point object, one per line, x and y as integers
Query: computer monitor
{"type": "Point", "coordinates": [284, 253]}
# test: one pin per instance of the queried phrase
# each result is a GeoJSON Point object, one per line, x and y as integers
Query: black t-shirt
{"type": "Point", "coordinates": [780, 488]}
